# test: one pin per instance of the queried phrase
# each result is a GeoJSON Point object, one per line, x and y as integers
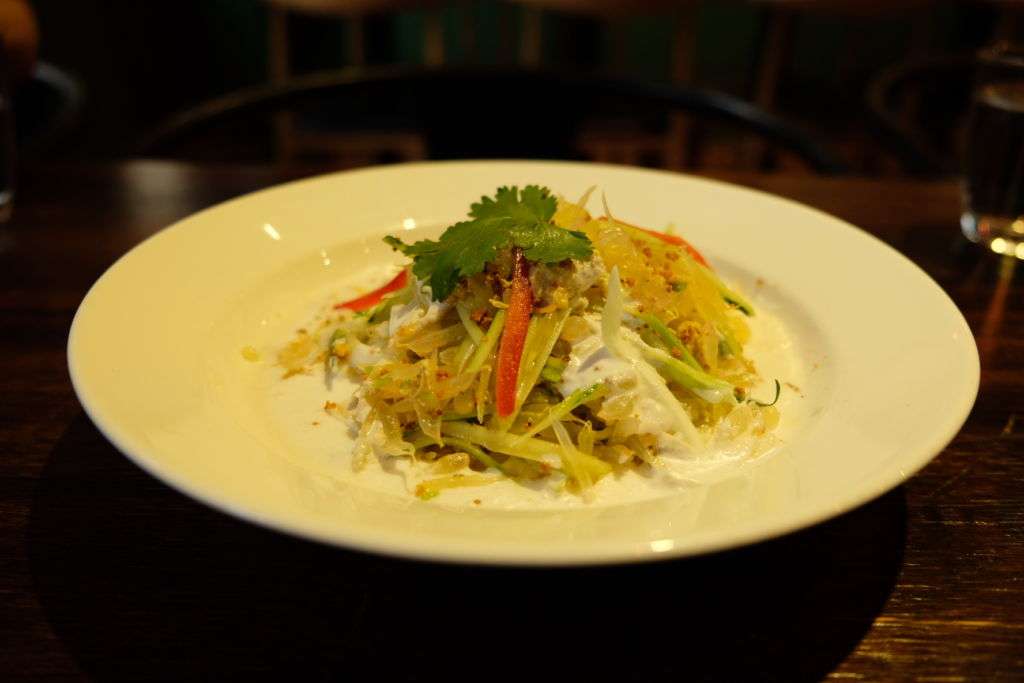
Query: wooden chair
{"type": "Point", "coordinates": [603, 142]}
{"type": "Point", "coordinates": [47, 108]}
{"type": "Point", "coordinates": [928, 140]}
{"type": "Point", "coordinates": [451, 122]}
{"type": "Point", "coordinates": [780, 26]}
{"type": "Point", "coordinates": [354, 148]}
{"type": "Point", "coordinates": [927, 148]}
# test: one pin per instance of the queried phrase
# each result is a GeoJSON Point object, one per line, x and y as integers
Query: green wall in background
{"type": "Point", "coordinates": [239, 29]}
{"type": "Point", "coordinates": [727, 45]}
{"type": "Point", "coordinates": [728, 40]}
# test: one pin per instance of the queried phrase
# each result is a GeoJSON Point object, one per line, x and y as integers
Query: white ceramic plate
{"type": "Point", "coordinates": [890, 369]}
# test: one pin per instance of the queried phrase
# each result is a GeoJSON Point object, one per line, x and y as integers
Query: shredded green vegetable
{"type": "Point", "coordinates": [381, 311]}
{"type": "Point", "coordinates": [489, 342]}
{"type": "Point", "coordinates": [475, 452]}
{"type": "Point", "coordinates": [733, 297]}
{"type": "Point", "coordinates": [778, 390]}
{"type": "Point", "coordinates": [709, 388]}
{"type": "Point", "coordinates": [464, 351]}
{"type": "Point", "coordinates": [331, 360]}
{"type": "Point", "coordinates": [669, 338]}
{"type": "Point", "coordinates": [528, 449]}
{"type": "Point", "coordinates": [472, 329]}
{"type": "Point", "coordinates": [571, 403]}
{"type": "Point", "coordinates": [553, 369]}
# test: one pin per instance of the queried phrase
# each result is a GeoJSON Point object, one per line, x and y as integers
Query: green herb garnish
{"type": "Point", "coordinates": [778, 390]}
{"type": "Point", "coordinates": [511, 219]}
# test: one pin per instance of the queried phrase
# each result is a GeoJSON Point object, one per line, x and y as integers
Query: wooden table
{"type": "Point", "coordinates": [107, 573]}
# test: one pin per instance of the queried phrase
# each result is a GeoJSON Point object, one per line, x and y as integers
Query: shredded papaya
{"type": "Point", "coordinates": [679, 242]}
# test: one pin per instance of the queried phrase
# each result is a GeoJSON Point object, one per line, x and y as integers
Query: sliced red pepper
{"type": "Point", "coordinates": [513, 336]}
{"type": "Point", "coordinates": [370, 300]}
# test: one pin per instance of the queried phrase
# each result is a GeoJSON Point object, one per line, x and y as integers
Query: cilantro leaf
{"type": "Point", "coordinates": [509, 219]}
{"type": "Point", "coordinates": [533, 204]}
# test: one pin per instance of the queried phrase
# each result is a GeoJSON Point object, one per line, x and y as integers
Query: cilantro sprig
{"type": "Point", "coordinates": [510, 219]}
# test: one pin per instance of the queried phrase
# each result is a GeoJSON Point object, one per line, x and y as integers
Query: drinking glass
{"type": "Point", "coordinates": [994, 155]}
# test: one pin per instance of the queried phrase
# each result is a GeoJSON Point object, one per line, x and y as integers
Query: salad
{"type": "Point", "coordinates": [536, 343]}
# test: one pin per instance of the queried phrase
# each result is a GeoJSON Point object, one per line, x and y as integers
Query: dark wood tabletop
{"type": "Point", "coordinates": [106, 573]}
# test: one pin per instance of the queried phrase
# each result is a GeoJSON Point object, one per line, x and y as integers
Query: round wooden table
{"type": "Point", "coordinates": [106, 573]}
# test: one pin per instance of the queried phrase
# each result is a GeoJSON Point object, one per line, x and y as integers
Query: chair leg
{"type": "Point", "coordinates": [357, 41]}
{"type": "Point", "coordinates": [279, 66]}
{"type": "Point", "coordinates": [470, 40]}
{"type": "Point", "coordinates": [433, 39]}
{"type": "Point", "coordinates": [778, 39]}
{"type": "Point", "coordinates": [679, 144]}
{"type": "Point", "coordinates": [530, 41]}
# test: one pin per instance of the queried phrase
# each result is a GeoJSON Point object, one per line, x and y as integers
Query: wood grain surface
{"type": "Point", "coordinates": [106, 573]}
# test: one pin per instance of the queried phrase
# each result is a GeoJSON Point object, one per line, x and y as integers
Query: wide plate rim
{"type": "Point", "coordinates": [590, 553]}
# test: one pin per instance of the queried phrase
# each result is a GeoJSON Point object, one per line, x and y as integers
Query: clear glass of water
{"type": "Point", "coordinates": [994, 155]}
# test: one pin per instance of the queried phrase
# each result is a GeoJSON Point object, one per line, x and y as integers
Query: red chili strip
{"type": "Point", "coordinates": [513, 336]}
{"type": "Point", "coordinates": [370, 300]}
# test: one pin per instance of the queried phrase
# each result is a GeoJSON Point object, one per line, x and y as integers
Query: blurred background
{"type": "Point", "coordinates": [817, 86]}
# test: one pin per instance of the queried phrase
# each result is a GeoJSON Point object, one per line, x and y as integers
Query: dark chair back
{"type": "Point", "coordinates": [47, 107]}
{"type": "Point", "coordinates": [917, 109]}
{"type": "Point", "coordinates": [473, 112]}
